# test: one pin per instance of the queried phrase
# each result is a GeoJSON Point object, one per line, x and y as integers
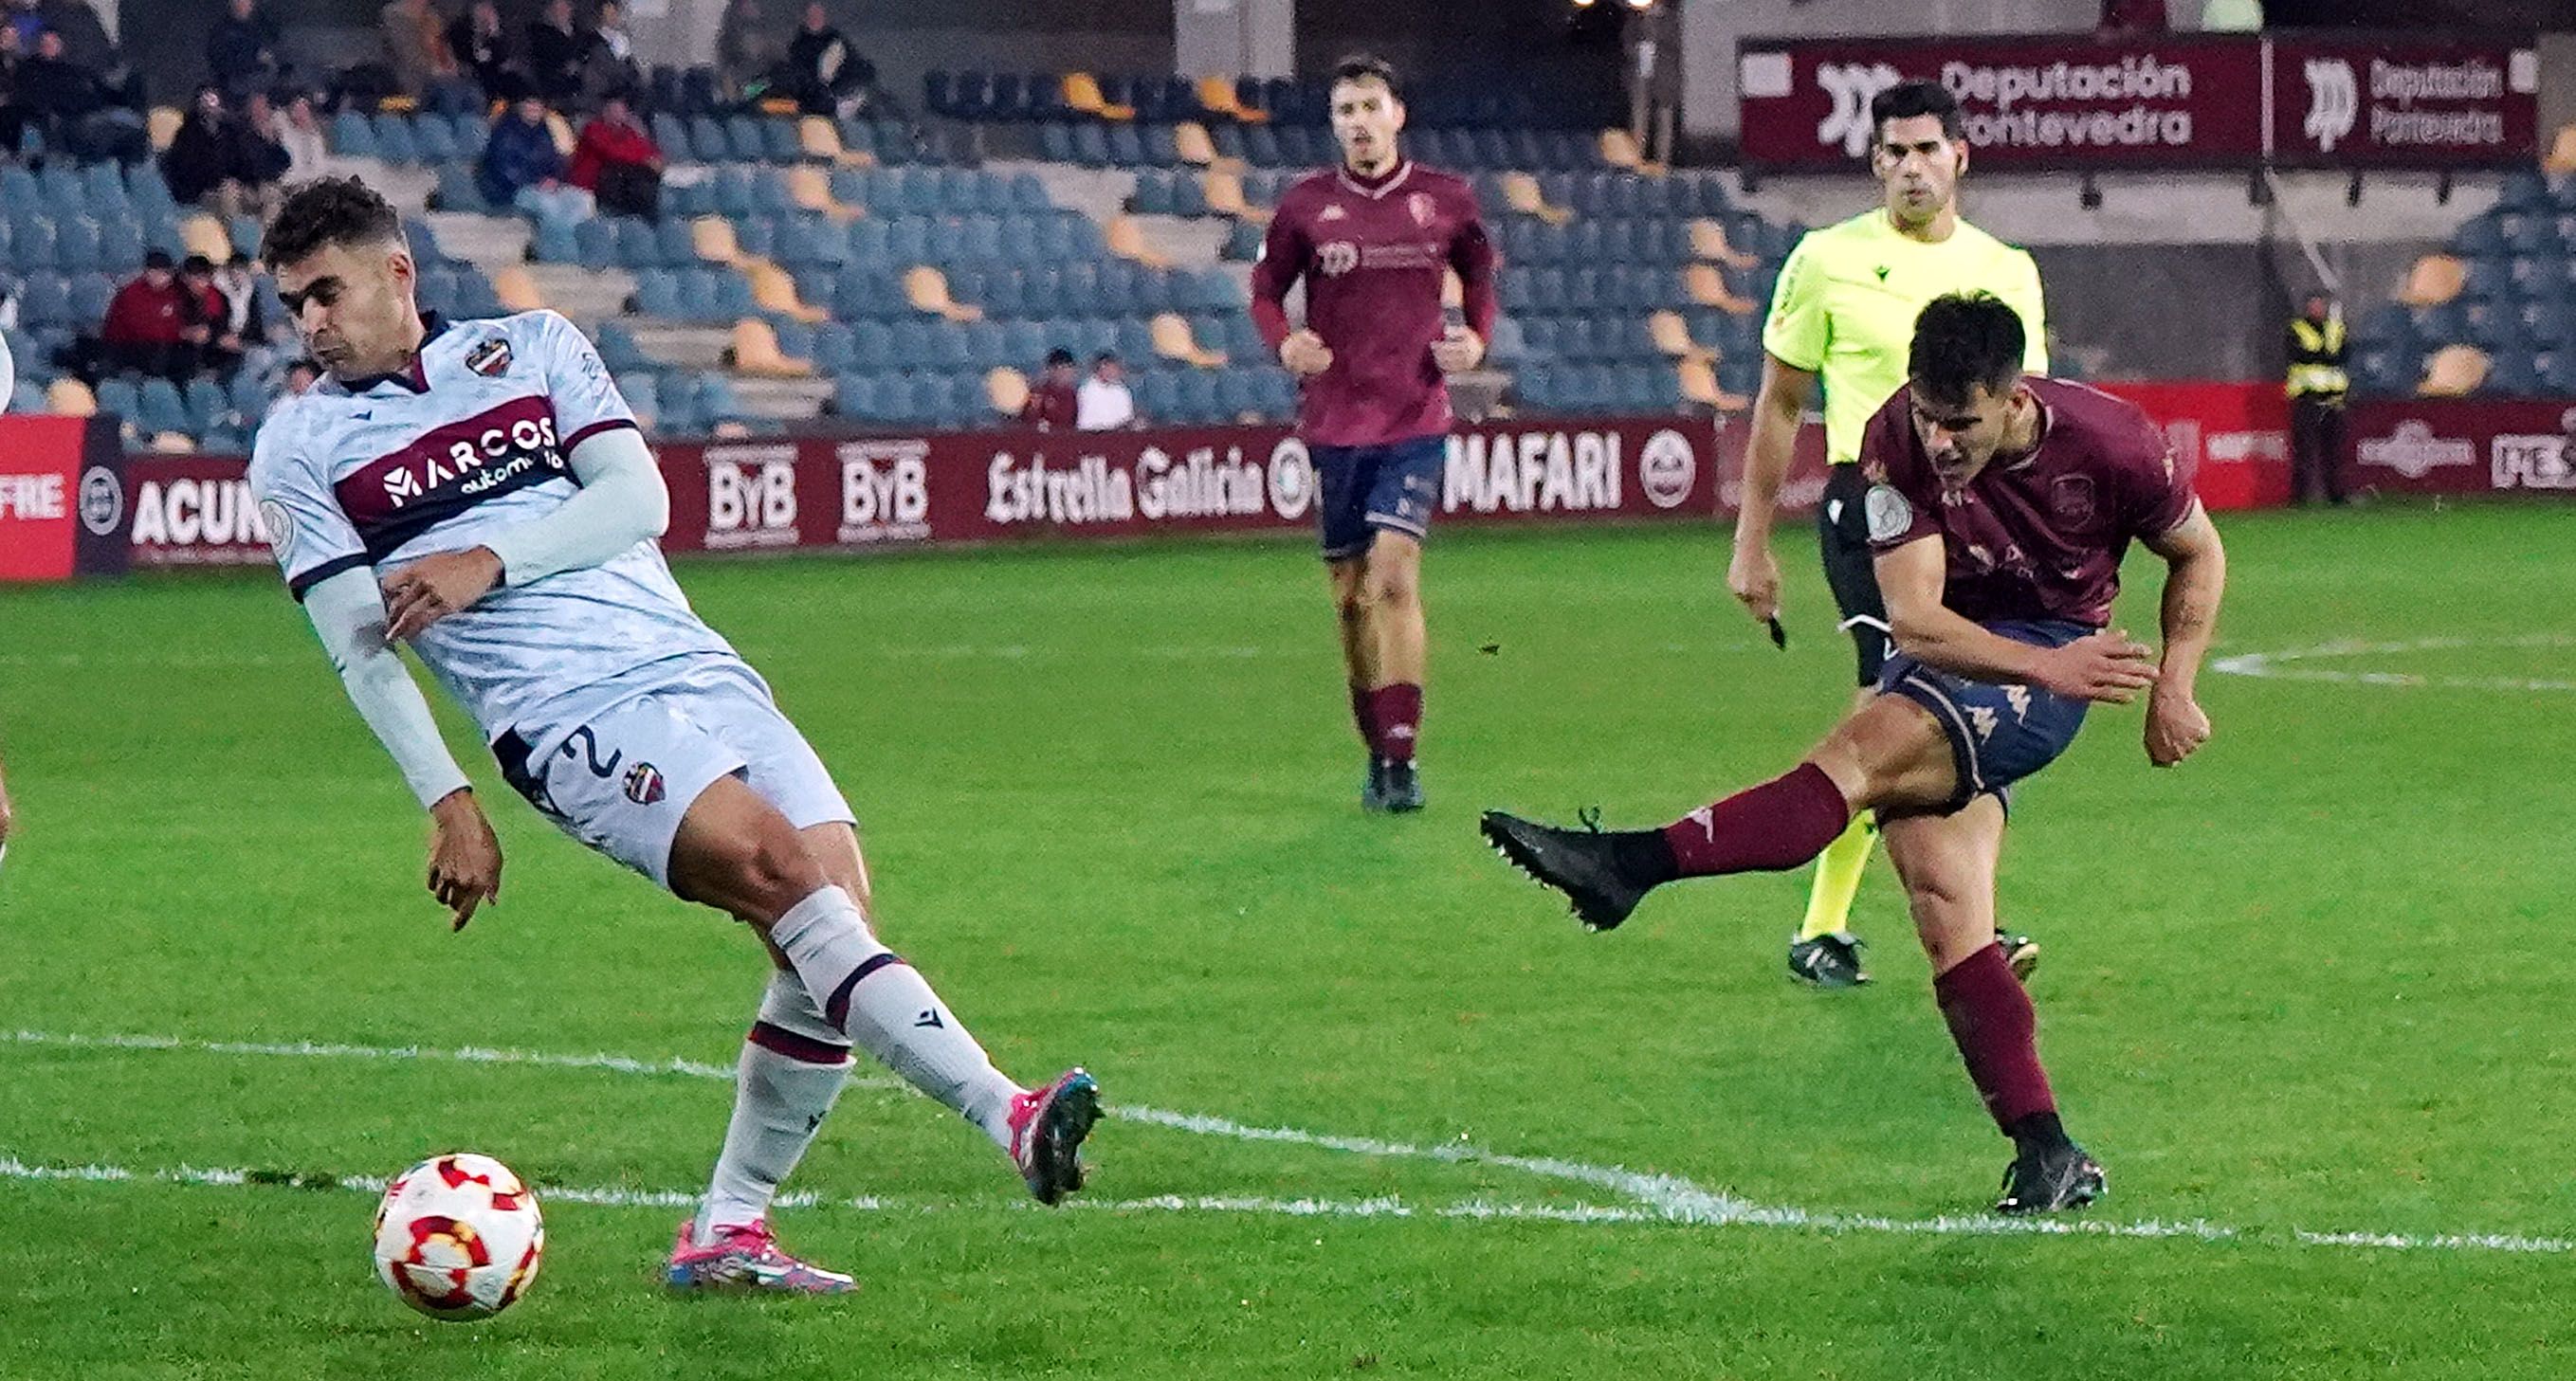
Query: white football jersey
{"type": "Point", "coordinates": [470, 438]}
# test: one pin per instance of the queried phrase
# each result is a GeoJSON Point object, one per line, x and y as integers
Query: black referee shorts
{"type": "Point", "coordinates": [1844, 529]}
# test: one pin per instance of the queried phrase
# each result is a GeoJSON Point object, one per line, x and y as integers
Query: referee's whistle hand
{"type": "Point", "coordinates": [1753, 577]}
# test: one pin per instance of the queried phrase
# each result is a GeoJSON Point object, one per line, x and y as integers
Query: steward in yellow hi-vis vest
{"type": "Point", "coordinates": [2317, 384]}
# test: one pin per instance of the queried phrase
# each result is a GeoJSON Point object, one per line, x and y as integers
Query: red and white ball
{"type": "Point", "coordinates": [459, 1237]}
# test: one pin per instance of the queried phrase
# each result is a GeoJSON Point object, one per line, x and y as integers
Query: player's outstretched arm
{"type": "Point", "coordinates": [2195, 580]}
{"type": "Point", "coordinates": [2103, 666]}
{"type": "Point", "coordinates": [1753, 573]}
{"type": "Point", "coordinates": [622, 501]}
{"type": "Point", "coordinates": [465, 856]}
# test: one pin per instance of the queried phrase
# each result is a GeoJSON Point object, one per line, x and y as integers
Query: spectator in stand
{"type": "Point", "coordinates": [1103, 403]}
{"type": "Point", "coordinates": [150, 327]}
{"type": "Point", "coordinates": [481, 47]}
{"type": "Point", "coordinates": [241, 51]}
{"type": "Point", "coordinates": [747, 51]}
{"type": "Point", "coordinates": [28, 21]}
{"type": "Point", "coordinates": [73, 107]}
{"type": "Point", "coordinates": [85, 40]}
{"type": "Point", "coordinates": [199, 155]}
{"type": "Point", "coordinates": [13, 117]}
{"type": "Point", "coordinates": [258, 160]}
{"type": "Point", "coordinates": [245, 322]}
{"type": "Point", "coordinates": [416, 47]}
{"type": "Point", "coordinates": [822, 68]}
{"type": "Point", "coordinates": [558, 52]}
{"type": "Point", "coordinates": [611, 68]}
{"type": "Point", "coordinates": [1051, 399]}
{"type": "Point", "coordinates": [299, 132]}
{"type": "Point", "coordinates": [523, 168]}
{"type": "Point", "coordinates": [218, 348]}
{"type": "Point", "coordinates": [618, 163]}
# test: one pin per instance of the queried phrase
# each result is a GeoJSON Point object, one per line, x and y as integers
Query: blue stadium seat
{"type": "Point", "coordinates": [120, 243]}
{"type": "Point", "coordinates": [871, 347]}
{"type": "Point", "coordinates": [743, 139]}
{"type": "Point", "coordinates": [1126, 147]}
{"type": "Point", "coordinates": [118, 397]}
{"type": "Point", "coordinates": [856, 396]}
{"type": "Point", "coordinates": [247, 399]}
{"type": "Point", "coordinates": [435, 140]}
{"type": "Point", "coordinates": [835, 351]}
{"type": "Point", "coordinates": [76, 247]}
{"type": "Point", "coordinates": [207, 406]}
{"type": "Point", "coordinates": [352, 136]}
{"type": "Point", "coordinates": [2510, 374]}
{"type": "Point", "coordinates": [657, 293]}
{"type": "Point", "coordinates": [780, 141]}
{"type": "Point", "coordinates": [672, 133]}
{"type": "Point", "coordinates": [1157, 396]}
{"type": "Point", "coordinates": [159, 408]}
{"type": "Point", "coordinates": [1153, 195]}
{"type": "Point", "coordinates": [458, 191]}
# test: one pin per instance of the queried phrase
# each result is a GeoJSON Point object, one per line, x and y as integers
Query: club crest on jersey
{"type": "Point", "coordinates": [1422, 207]}
{"type": "Point", "coordinates": [491, 359]}
{"type": "Point", "coordinates": [1337, 257]}
{"type": "Point", "coordinates": [2071, 499]}
{"type": "Point", "coordinates": [644, 784]}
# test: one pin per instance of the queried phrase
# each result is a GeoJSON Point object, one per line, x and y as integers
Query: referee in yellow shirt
{"type": "Point", "coordinates": [1844, 311]}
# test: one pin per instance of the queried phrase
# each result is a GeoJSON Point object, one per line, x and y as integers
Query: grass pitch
{"type": "Point", "coordinates": [2308, 985]}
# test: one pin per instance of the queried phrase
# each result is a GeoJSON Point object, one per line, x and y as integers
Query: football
{"type": "Point", "coordinates": [458, 1237]}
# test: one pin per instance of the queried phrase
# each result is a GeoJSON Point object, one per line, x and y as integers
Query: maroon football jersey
{"type": "Point", "coordinates": [1373, 254]}
{"type": "Point", "coordinates": [2039, 536]}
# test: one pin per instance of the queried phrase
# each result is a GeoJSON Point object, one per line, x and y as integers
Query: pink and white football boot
{"type": "Point", "coordinates": [1047, 1128]}
{"type": "Point", "coordinates": [747, 1259]}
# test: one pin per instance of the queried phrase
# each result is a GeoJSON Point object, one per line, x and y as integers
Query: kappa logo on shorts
{"type": "Point", "coordinates": [491, 359]}
{"type": "Point", "coordinates": [644, 784]}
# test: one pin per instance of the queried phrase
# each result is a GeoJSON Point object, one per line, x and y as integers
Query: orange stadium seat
{"type": "Point", "coordinates": [2435, 279]}
{"type": "Point", "coordinates": [1007, 390]}
{"type": "Point", "coordinates": [2455, 371]}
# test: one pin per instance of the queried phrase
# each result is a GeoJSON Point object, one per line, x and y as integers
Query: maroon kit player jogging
{"type": "Point", "coordinates": [1999, 508]}
{"type": "Point", "coordinates": [1373, 240]}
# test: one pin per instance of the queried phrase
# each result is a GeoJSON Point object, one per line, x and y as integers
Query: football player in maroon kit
{"type": "Point", "coordinates": [2000, 505]}
{"type": "Point", "coordinates": [1373, 240]}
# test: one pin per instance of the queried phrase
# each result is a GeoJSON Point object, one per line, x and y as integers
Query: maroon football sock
{"type": "Point", "coordinates": [1361, 698]}
{"type": "Point", "coordinates": [1991, 1018]}
{"type": "Point", "coordinates": [1780, 824]}
{"type": "Point", "coordinates": [1397, 712]}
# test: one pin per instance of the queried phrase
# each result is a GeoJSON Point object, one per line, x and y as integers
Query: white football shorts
{"type": "Point", "coordinates": [621, 781]}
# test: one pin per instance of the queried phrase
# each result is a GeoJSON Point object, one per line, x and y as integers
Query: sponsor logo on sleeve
{"type": "Point", "coordinates": [1890, 515]}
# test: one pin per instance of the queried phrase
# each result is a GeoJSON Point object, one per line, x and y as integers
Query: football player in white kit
{"type": "Point", "coordinates": [480, 490]}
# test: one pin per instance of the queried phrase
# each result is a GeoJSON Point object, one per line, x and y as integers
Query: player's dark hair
{"type": "Point", "coordinates": [1963, 340]}
{"type": "Point", "coordinates": [1362, 67]}
{"type": "Point", "coordinates": [328, 211]}
{"type": "Point", "coordinates": [1906, 100]}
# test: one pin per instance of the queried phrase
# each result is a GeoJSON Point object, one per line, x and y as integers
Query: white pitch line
{"type": "Point", "coordinates": [1661, 1199]}
{"type": "Point", "coordinates": [2290, 665]}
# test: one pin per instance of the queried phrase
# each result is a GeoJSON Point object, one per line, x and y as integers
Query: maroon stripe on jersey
{"type": "Point", "coordinates": [449, 469]}
{"type": "Point", "coordinates": [604, 425]}
{"type": "Point", "coordinates": [804, 1049]}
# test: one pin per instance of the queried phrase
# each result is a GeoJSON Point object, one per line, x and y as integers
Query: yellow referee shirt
{"type": "Point", "coordinates": [1845, 305]}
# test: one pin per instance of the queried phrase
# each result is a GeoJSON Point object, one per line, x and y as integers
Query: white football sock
{"type": "Point", "coordinates": [792, 1068]}
{"type": "Point", "coordinates": [887, 1008]}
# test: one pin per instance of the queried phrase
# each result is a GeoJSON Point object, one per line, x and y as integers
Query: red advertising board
{"type": "Point", "coordinates": [2156, 101]}
{"type": "Point", "coordinates": [61, 504]}
{"type": "Point", "coordinates": [803, 493]}
{"type": "Point", "coordinates": [2238, 434]}
{"type": "Point", "coordinates": [2405, 102]}
{"type": "Point", "coordinates": [2049, 102]}
{"type": "Point", "coordinates": [2463, 446]}
{"type": "Point", "coordinates": [1002, 486]}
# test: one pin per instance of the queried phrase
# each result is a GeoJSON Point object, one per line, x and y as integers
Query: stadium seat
{"type": "Point", "coordinates": [2454, 371]}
